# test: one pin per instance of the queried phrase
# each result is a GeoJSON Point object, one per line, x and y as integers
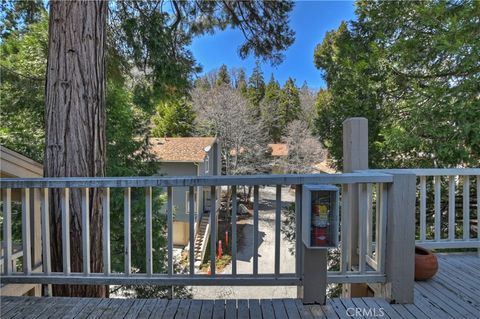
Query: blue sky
{"type": "Point", "coordinates": [309, 19]}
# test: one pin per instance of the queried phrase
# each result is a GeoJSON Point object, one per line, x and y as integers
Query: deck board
{"type": "Point", "coordinates": [170, 310]}
{"type": "Point", "coordinates": [267, 309]}
{"type": "Point", "coordinates": [453, 293]}
{"type": "Point", "coordinates": [194, 310]}
{"type": "Point", "coordinates": [183, 308]}
{"type": "Point", "coordinates": [339, 308]}
{"type": "Point", "coordinates": [291, 309]}
{"type": "Point", "coordinates": [207, 309]}
{"type": "Point", "coordinates": [305, 311]}
{"type": "Point", "coordinates": [135, 309]}
{"type": "Point", "coordinates": [279, 309]}
{"type": "Point", "coordinates": [242, 309]}
{"type": "Point", "coordinates": [231, 309]}
{"type": "Point", "coordinates": [254, 307]}
{"type": "Point", "coordinates": [219, 309]}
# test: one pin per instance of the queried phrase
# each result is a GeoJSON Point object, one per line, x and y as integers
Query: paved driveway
{"type": "Point", "coordinates": [266, 258]}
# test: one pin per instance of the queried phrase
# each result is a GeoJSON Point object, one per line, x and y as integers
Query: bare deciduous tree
{"type": "Point", "coordinates": [304, 150]}
{"type": "Point", "coordinates": [223, 112]}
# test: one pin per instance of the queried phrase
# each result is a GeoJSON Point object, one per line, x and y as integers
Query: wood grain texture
{"type": "Point", "coordinates": [75, 124]}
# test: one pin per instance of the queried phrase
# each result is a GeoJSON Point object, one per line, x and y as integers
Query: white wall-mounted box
{"type": "Point", "coordinates": [320, 216]}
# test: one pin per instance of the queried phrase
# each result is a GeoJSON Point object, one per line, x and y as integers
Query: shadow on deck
{"type": "Point", "coordinates": [453, 293]}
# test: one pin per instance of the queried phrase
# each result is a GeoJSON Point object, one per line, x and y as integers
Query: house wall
{"type": "Point", "coordinates": [179, 198]}
{"type": "Point", "coordinates": [180, 194]}
{"type": "Point", "coordinates": [15, 165]}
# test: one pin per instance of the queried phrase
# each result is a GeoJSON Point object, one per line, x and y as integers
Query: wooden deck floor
{"type": "Point", "coordinates": [453, 293]}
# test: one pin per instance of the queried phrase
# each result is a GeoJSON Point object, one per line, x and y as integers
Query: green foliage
{"type": "Point", "coordinates": [126, 135]}
{"type": "Point", "coordinates": [256, 89]}
{"type": "Point", "coordinates": [22, 65]}
{"type": "Point", "coordinates": [264, 24]}
{"type": "Point", "coordinates": [271, 112]}
{"type": "Point", "coordinates": [174, 118]}
{"type": "Point", "coordinates": [154, 35]}
{"type": "Point", "coordinates": [241, 83]}
{"type": "Point", "coordinates": [412, 69]}
{"type": "Point", "coordinates": [223, 77]}
{"type": "Point", "coordinates": [289, 103]}
{"type": "Point", "coordinates": [159, 56]}
{"type": "Point", "coordinates": [17, 16]}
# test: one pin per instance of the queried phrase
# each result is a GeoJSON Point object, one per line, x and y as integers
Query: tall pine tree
{"type": "Point", "coordinates": [223, 77]}
{"type": "Point", "coordinates": [241, 84]}
{"type": "Point", "coordinates": [270, 110]}
{"type": "Point", "coordinates": [256, 89]}
{"type": "Point", "coordinates": [290, 103]}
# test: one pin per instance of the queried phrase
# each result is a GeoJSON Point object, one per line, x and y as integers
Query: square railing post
{"type": "Point", "coordinates": [355, 157]}
{"type": "Point", "coordinates": [311, 264]}
{"type": "Point", "coordinates": [314, 276]}
{"type": "Point", "coordinates": [400, 239]}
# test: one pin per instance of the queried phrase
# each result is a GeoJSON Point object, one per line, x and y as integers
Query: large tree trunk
{"type": "Point", "coordinates": [75, 126]}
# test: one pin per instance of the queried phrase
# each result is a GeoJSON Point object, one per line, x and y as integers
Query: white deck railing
{"type": "Point", "coordinates": [372, 207]}
{"type": "Point", "coordinates": [442, 224]}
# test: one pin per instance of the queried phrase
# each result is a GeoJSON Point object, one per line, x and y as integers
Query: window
{"type": "Point", "coordinates": [207, 164]}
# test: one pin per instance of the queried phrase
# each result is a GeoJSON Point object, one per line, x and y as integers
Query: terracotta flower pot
{"type": "Point", "coordinates": [426, 264]}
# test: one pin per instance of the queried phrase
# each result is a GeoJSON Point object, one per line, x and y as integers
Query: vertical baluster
{"type": "Point", "coordinates": [438, 213]}
{"type": "Point", "coordinates": [423, 208]}
{"type": "Point", "coordinates": [7, 230]}
{"type": "Point", "coordinates": [345, 252]}
{"type": "Point", "coordinates": [106, 230]}
{"type": "Point", "coordinates": [362, 226]}
{"type": "Point", "coordinates": [478, 210]}
{"type": "Point", "coordinates": [148, 231]}
{"type": "Point", "coordinates": [255, 229]}
{"type": "Point", "coordinates": [369, 219]}
{"type": "Point", "coordinates": [45, 220]}
{"type": "Point", "coordinates": [278, 219]}
{"type": "Point", "coordinates": [126, 231]}
{"type": "Point", "coordinates": [466, 207]}
{"type": "Point", "coordinates": [191, 227]}
{"type": "Point", "coordinates": [382, 234]}
{"type": "Point", "coordinates": [377, 222]}
{"type": "Point", "coordinates": [65, 204]}
{"type": "Point", "coordinates": [27, 257]}
{"type": "Point", "coordinates": [451, 208]}
{"type": "Point", "coordinates": [170, 231]}
{"type": "Point", "coordinates": [298, 231]}
{"type": "Point", "coordinates": [213, 229]}
{"type": "Point", "coordinates": [86, 230]}
{"type": "Point", "coordinates": [234, 230]}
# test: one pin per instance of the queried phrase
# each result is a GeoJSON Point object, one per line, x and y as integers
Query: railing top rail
{"type": "Point", "coordinates": [176, 181]}
{"type": "Point", "coordinates": [432, 171]}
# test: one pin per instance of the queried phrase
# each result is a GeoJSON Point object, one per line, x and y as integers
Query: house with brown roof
{"type": "Point", "coordinates": [187, 156]}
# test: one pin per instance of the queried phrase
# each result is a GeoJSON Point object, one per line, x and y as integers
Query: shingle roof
{"type": "Point", "coordinates": [279, 149]}
{"type": "Point", "coordinates": [180, 149]}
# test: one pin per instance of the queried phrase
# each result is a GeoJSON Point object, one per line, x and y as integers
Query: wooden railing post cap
{"type": "Point", "coordinates": [355, 119]}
